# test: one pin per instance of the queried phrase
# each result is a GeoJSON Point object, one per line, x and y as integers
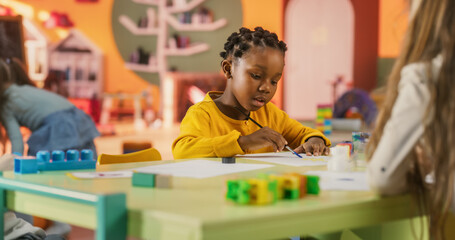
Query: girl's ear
{"type": "Point", "coordinates": [226, 65]}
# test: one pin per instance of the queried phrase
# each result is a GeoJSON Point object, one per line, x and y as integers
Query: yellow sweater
{"type": "Point", "coordinates": [207, 132]}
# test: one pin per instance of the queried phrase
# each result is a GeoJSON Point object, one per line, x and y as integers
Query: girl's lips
{"type": "Point", "coordinates": [259, 102]}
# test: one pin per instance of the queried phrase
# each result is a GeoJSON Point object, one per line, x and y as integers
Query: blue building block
{"type": "Point", "coordinates": [58, 156]}
{"type": "Point", "coordinates": [72, 155]}
{"type": "Point", "coordinates": [25, 165]}
{"type": "Point", "coordinates": [42, 162]}
{"type": "Point", "coordinates": [86, 154]}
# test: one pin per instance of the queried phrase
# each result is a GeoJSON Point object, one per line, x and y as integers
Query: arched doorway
{"type": "Point", "coordinates": [320, 38]}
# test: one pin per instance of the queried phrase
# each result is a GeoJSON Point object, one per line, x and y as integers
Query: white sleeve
{"type": "Point", "coordinates": [388, 166]}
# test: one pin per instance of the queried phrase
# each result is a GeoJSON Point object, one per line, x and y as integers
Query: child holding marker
{"type": "Point", "coordinates": [242, 119]}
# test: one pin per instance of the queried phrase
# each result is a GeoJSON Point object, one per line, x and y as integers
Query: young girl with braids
{"type": "Point", "coordinates": [415, 133]}
{"type": "Point", "coordinates": [219, 126]}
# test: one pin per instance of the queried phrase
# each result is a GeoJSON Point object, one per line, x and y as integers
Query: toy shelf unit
{"type": "Point", "coordinates": [181, 15]}
{"type": "Point", "coordinates": [80, 62]}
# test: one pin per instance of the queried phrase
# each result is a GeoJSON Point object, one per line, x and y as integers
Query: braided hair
{"type": "Point", "coordinates": [240, 42]}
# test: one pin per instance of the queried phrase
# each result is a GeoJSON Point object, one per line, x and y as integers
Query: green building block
{"type": "Point", "coordinates": [232, 190]}
{"type": "Point", "coordinates": [143, 179]}
{"type": "Point", "coordinates": [243, 192]}
{"type": "Point", "coordinates": [273, 189]}
{"type": "Point", "coordinates": [291, 194]}
{"type": "Point", "coordinates": [238, 191]}
{"type": "Point", "coordinates": [312, 184]}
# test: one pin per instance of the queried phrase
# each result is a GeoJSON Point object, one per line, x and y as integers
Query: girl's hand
{"type": "Point", "coordinates": [263, 137]}
{"type": "Point", "coordinates": [313, 146]}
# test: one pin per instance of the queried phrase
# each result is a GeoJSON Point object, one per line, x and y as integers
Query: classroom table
{"type": "Point", "coordinates": [198, 209]}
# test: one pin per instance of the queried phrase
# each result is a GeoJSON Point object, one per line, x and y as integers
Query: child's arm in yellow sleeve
{"type": "Point", "coordinates": [195, 138]}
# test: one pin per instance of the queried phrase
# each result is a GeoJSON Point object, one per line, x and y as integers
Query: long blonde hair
{"type": "Point", "coordinates": [431, 32]}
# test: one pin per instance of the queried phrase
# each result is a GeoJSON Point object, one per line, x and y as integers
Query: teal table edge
{"type": "Point", "coordinates": [111, 209]}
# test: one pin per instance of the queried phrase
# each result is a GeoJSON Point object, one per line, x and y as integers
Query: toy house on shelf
{"type": "Point", "coordinates": [79, 62]}
{"type": "Point", "coordinates": [36, 48]}
{"type": "Point", "coordinates": [166, 20]}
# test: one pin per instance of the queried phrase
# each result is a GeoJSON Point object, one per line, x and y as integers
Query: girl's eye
{"type": "Point", "coordinates": [274, 83]}
{"type": "Point", "coordinates": [255, 76]}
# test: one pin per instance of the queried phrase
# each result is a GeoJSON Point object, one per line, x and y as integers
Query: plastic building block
{"type": "Point", "coordinates": [228, 160]}
{"type": "Point", "coordinates": [349, 144]}
{"type": "Point", "coordinates": [238, 191]}
{"type": "Point", "coordinates": [259, 191]}
{"type": "Point", "coordinates": [312, 184]}
{"type": "Point", "coordinates": [291, 194]}
{"type": "Point", "coordinates": [143, 179]}
{"type": "Point", "coordinates": [163, 181]}
{"type": "Point", "coordinates": [302, 184]}
{"type": "Point", "coordinates": [273, 190]}
{"type": "Point", "coordinates": [44, 156]}
{"type": "Point", "coordinates": [232, 190]}
{"type": "Point", "coordinates": [291, 182]}
{"type": "Point", "coordinates": [58, 156]}
{"type": "Point", "coordinates": [280, 184]}
{"type": "Point", "coordinates": [72, 155]}
{"type": "Point", "coordinates": [25, 165]}
{"type": "Point", "coordinates": [86, 155]}
{"type": "Point", "coordinates": [42, 161]}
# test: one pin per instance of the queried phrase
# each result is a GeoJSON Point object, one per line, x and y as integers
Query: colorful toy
{"type": "Point", "coordinates": [348, 144]}
{"type": "Point", "coordinates": [143, 179]}
{"type": "Point", "coordinates": [151, 180]}
{"type": "Point", "coordinates": [43, 161]}
{"type": "Point", "coordinates": [324, 118]}
{"type": "Point", "coordinates": [267, 189]}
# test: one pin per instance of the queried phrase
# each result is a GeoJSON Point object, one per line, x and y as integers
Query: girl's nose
{"type": "Point", "coordinates": [265, 87]}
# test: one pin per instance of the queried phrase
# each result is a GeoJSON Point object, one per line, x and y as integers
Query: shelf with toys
{"type": "Point", "coordinates": [131, 26]}
{"type": "Point", "coordinates": [196, 26]}
{"type": "Point", "coordinates": [147, 2]}
{"type": "Point", "coordinates": [142, 67]}
{"type": "Point", "coordinates": [157, 22]}
{"type": "Point", "coordinates": [187, 51]}
{"type": "Point", "coordinates": [182, 6]}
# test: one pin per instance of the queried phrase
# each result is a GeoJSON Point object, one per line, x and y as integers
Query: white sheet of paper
{"type": "Point", "coordinates": [287, 158]}
{"type": "Point", "coordinates": [200, 168]}
{"type": "Point", "coordinates": [350, 181]}
{"type": "Point", "coordinates": [113, 174]}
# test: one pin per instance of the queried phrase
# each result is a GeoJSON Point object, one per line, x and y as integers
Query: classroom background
{"type": "Point", "coordinates": [135, 66]}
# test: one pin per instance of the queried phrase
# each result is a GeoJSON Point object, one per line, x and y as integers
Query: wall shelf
{"type": "Point", "coordinates": [194, 48]}
{"type": "Point", "coordinates": [141, 67]}
{"type": "Point", "coordinates": [187, 7]}
{"type": "Point", "coordinates": [161, 18]}
{"type": "Point", "coordinates": [147, 2]}
{"type": "Point", "coordinates": [132, 27]}
{"type": "Point", "coordinates": [196, 27]}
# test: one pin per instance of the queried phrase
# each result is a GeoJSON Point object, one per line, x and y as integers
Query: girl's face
{"type": "Point", "coordinates": [255, 77]}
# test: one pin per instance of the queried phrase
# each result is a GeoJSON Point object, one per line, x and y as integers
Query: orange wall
{"type": "Point", "coordinates": [393, 19]}
{"type": "Point", "coordinates": [269, 15]}
{"type": "Point", "coordinates": [94, 20]}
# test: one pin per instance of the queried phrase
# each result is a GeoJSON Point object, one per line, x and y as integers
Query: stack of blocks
{"type": "Point", "coordinates": [151, 180]}
{"type": "Point", "coordinates": [44, 162]}
{"type": "Point", "coordinates": [348, 145]}
{"type": "Point", "coordinates": [324, 118]}
{"type": "Point", "coordinates": [268, 189]}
